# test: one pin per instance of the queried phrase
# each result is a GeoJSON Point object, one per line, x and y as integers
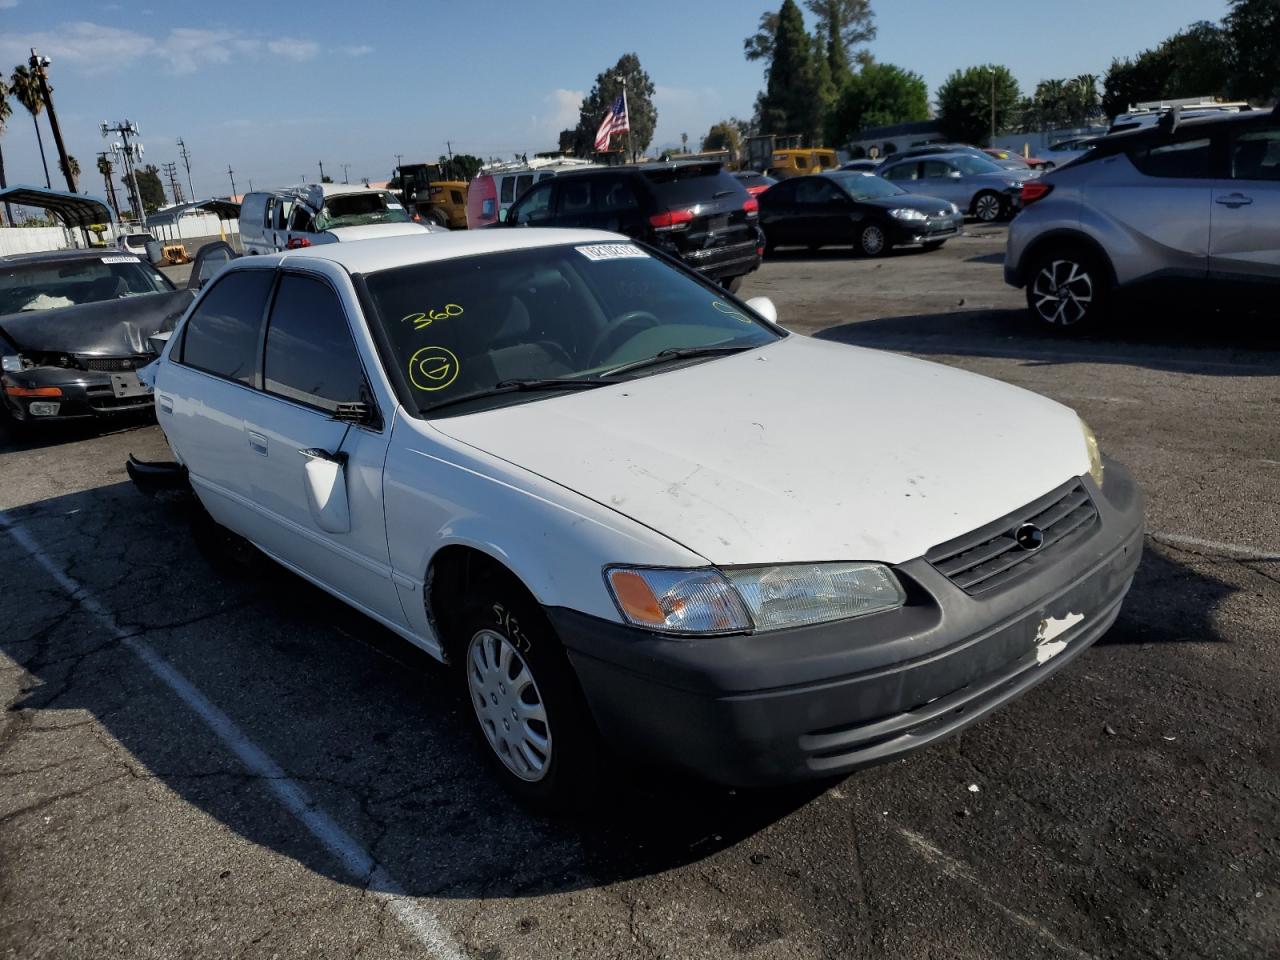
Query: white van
{"type": "Point", "coordinates": [304, 216]}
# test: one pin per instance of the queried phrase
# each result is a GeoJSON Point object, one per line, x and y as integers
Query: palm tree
{"type": "Point", "coordinates": [105, 167]}
{"type": "Point", "coordinates": [5, 112]}
{"type": "Point", "coordinates": [74, 164]}
{"type": "Point", "coordinates": [26, 90]}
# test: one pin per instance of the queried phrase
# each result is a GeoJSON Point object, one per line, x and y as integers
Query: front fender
{"type": "Point", "coordinates": [440, 492]}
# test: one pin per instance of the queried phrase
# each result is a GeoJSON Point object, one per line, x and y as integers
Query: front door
{"type": "Point", "coordinates": [940, 179]}
{"type": "Point", "coordinates": [823, 211]}
{"type": "Point", "coordinates": [318, 480]}
{"type": "Point", "coordinates": [1244, 242]}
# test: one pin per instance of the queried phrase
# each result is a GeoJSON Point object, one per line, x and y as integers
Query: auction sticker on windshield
{"type": "Point", "coordinates": [120, 260]}
{"type": "Point", "coordinates": [612, 251]}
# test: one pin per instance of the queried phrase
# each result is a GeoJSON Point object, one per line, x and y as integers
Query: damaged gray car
{"type": "Point", "coordinates": [75, 326]}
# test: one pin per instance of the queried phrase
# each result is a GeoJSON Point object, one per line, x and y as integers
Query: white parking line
{"type": "Point", "coordinates": [421, 922]}
{"type": "Point", "coordinates": [1239, 551]}
{"type": "Point", "coordinates": [953, 868]}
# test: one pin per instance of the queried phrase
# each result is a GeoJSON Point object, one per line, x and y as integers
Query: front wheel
{"type": "Point", "coordinates": [1067, 289]}
{"type": "Point", "coordinates": [529, 712]}
{"type": "Point", "coordinates": [988, 207]}
{"type": "Point", "coordinates": [872, 240]}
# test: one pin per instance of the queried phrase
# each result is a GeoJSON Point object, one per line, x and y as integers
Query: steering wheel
{"type": "Point", "coordinates": [603, 345]}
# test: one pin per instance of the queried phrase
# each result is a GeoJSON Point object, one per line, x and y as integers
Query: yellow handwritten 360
{"type": "Point", "coordinates": [421, 321]}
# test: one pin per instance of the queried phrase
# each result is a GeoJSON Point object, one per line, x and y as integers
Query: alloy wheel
{"type": "Point", "coordinates": [1062, 292]}
{"type": "Point", "coordinates": [872, 240]}
{"type": "Point", "coordinates": [509, 705]}
{"type": "Point", "coordinates": [987, 209]}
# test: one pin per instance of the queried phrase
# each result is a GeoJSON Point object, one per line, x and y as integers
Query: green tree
{"type": "Point", "coordinates": [877, 95]}
{"type": "Point", "coordinates": [6, 111]}
{"type": "Point", "coordinates": [965, 102]}
{"type": "Point", "coordinates": [842, 26]}
{"type": "Point", "coordinates": [25, 86]}
{"type": "Point", "coordinates": [759, 46]}
{"type": "Point", "coordinates": [463, 166]}
{"type": "Point", "coordinates": [1061, 103]}
{"type": "Point", "coordinates": [792, 101]}
{"type": "Point", "coordinates": [1194, 62]}
{"type": "Point", "coordinates": [74, 164]}
{"type": "Point", "coordinates": [150, 187]}
{"type": "Point", "coordinates": [724, 135]}
{"type": "Point", "coordinates": [642, 114]}
{"type": "Point", "coordinates": [1253, 31]}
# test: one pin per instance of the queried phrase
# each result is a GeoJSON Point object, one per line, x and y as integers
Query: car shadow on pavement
{"type": "Point", "coordinates": [370, 727]}
{"type": "Point", "coordinates": [1188, 341]}
{"type": "Point", "coordinates": [1169, 602]}
{"type": "Point", "coordinates": [15, 439]}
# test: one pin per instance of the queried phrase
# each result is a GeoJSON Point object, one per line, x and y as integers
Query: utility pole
{"type": "Point", "coordinates": [991, 143]}
{"type": "Point", "coordinates": [130, 152]}
{"type": "Point", "coordinates": [344, 172]}
{"type": "Point", "coordinates": [171, 171]}
{"type": "Point", "coordinates": [322, 171]}
{"type": "Point", "coordinates": [186, 162]}
{"type": "Point", "coordinates": [111, 187]}
{"type": "Point", "coordinates": [232, 174]}
{"type": "Point", "coordinates": [631, 157]}
{"type": "Point", "coordinates": [38, 65]}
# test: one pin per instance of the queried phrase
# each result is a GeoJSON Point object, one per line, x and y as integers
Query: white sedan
{"type": "Point", "coordinates": [636, 513]}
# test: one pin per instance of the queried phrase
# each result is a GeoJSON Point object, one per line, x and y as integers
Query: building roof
{"type": "Point", "coordinates": [73, 209]}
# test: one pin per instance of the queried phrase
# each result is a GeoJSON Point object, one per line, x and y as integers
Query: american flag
{"type": "Point", "coordinates": [615, 121]}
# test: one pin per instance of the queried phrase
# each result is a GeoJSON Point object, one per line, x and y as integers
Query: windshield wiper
{"type": "Point", "coordinates": [677, 353]}
{"type": "Point", "coordinates": [517, 386]}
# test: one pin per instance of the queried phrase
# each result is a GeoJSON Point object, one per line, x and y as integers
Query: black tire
{"type": "Point", "coordinates": [989, 206]}
{"type": "Point", "coordinates": [933, 245]}
{"type": "Point", "coordinates": [499, 610]}
{"type": "Point", "coordinates": [873, 240]}
{"type": "Point", "coordinates": [1068, 289]}
{"type": "Point", "coordinates": [436, 218]}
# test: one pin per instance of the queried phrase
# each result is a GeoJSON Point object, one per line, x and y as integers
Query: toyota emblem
{"type": "Point", "coordinates": [1029, 537]}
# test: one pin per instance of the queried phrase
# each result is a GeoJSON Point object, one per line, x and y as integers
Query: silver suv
{"type": "Point", "coordinates": [1185, 203]}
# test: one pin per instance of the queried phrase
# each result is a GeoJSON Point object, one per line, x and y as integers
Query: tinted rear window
{"type": "Point", "coordinates": [1187, 159]}
{"type": "Point", "coordinates": [684, 186]}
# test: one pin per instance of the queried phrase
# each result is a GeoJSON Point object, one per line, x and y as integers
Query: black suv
{"type": "Point", "coordinates": [694, 211]}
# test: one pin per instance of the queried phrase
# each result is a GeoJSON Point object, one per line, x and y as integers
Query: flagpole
{"type": "Point", "coordinates": [626, 112]}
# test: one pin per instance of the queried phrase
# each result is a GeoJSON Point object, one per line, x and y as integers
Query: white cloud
{"type": "Point", "coordinates": [359, 50]}
{"type": "Point", "coordinates": [566, 106]}
{"type": "Point", "coordinates": [8, 4]}
{"type": "Point", "coordinates": [95, 48]}
{"type": "Point", "coordinates": [291, 48]}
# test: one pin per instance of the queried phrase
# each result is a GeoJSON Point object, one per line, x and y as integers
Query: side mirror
{"type": "Point", "coordinates": [764, 307]}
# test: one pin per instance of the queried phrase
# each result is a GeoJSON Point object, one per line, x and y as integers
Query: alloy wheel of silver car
{"type": "Point", "coordinates": [872, 240]}
{"type": "Point", "coordinates": [509, 705]}
{"type": "Point", "coordinates": [987, 208]}
{"type": "Point", "coordinates": [1062, 292]}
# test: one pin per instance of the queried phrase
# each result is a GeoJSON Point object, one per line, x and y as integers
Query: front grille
{"type": "Point", "coordinates": [990, 556]}
{"type": "Point", "coordinates": [113, 364]}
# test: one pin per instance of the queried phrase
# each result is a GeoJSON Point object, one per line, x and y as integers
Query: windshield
{"type": "Point", "coordinates": [464, 326]}
{"type": "Point", "coordinates": [46, 286]}
{"type": "Point", "coordinates": [866, 186]}
{"type": "Point", "coordinates": [360, 209]}
{"type": "Point", "coordinates": [968, 164]}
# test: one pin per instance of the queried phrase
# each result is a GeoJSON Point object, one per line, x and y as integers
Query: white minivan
{"type": "Point", "coordinates": [275, 220]}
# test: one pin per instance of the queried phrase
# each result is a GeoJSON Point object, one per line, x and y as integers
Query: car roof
{"type": "Point", "coordinates": [59, 256]}
{"type": "Point", "coordinates": [366, 256]}
{"type": "Point", "coordinates": [1200, 121]}
{"type": "Point", "coordinates": [948, 155]}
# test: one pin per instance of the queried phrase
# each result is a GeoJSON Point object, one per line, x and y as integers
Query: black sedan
{"type": "Point", "coordinates": [854, 208]}
{"type": "Point", "coordinates": [75, 325]}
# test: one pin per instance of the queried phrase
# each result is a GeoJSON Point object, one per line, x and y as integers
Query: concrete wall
{"type": "Point", "coordinates": [36, 239]}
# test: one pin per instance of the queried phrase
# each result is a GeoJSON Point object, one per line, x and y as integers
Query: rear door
{"type": "Point", "coordinates": [823, 211]}
{"type": "Point", "coordinates": [1244, 242]}
{"type": "Point", "coordinates": [617, 205]}
{"type": "Point", "coordinates": [1160, 194]}
{"type": "Point", "coordinates": [317, 481]}
{"type": "Point", "coordinates": [205, 392]}
{"type": "Point", "coordinates": [940, 179]}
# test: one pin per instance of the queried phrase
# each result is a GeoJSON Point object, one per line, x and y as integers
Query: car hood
{"type": "Point", "coordinates": [912, 201]}
{"type": "Point", "coordinates": [803, 450]}
{"type": "Point", "coordinates": [107, 328]}
{"type": "Point", "coordinates": [372, 231]}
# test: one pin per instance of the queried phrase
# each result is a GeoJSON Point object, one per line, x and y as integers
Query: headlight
{"type": "Point", "coordinates": [11, 364]}
{"type": "Point", "coordinates": [759, 598]}
{"type": "Point", "coordinates": [902, 213]}
{"type": "Point", "coordinates": [1095, 455]}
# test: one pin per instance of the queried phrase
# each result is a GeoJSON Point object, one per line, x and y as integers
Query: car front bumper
{"type": "Point", "coordinates": [805, 702]}
{"type": "Point", "coordinates": [903, 232]}
{"type": "Point", "coordinates": [82, 394]}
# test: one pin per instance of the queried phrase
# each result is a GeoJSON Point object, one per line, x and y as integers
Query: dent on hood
{"type": "Point", "coordinates": [109, 327]}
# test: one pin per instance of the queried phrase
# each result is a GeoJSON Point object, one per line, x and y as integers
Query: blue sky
{"type": "Point", "coordinates": [272, 87]}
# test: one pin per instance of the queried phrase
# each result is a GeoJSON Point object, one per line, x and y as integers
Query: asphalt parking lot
{"type": "Point", "coordinates": [214, 760]}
